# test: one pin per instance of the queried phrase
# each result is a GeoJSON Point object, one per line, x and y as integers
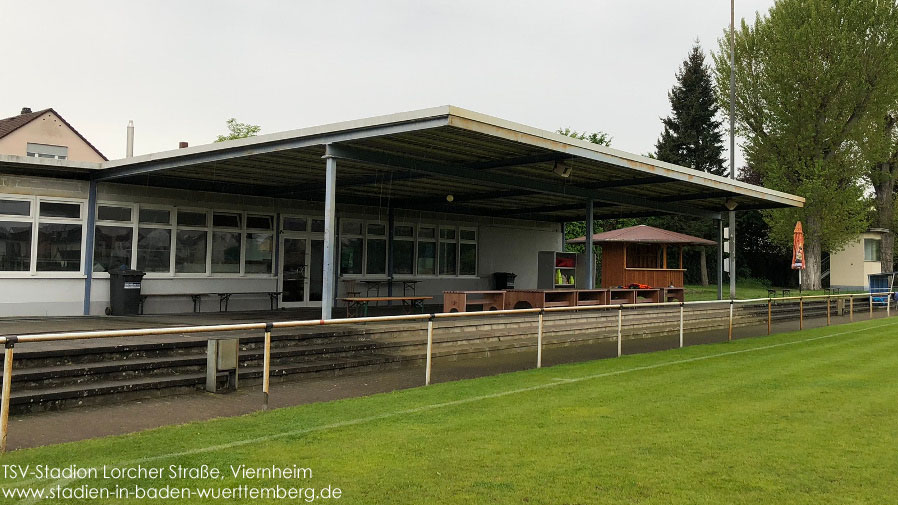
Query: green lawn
{"type": "Point", "coordinates": [778, 419]}
{"type": "Point", "coordinates": [744, 290]}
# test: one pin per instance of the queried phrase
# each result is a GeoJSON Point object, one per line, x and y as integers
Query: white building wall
{"type": "Point", "coordinates": [848, 270]}
{"type": "Point", "coordinates": [504, 245]}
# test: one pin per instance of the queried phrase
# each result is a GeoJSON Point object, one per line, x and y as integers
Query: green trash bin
{"type": "Point", "coordinates": [124, 291]}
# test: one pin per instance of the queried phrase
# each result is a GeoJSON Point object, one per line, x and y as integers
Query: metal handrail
{"type": "Point", "coordinates": [9, 341]}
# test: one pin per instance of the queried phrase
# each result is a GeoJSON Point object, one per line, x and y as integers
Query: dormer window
{"type": "Point", "coordinates": [47, 151]}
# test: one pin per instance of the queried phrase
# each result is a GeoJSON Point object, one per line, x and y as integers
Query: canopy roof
{"type": "Point", "coordinates": [644, 234]}
{"type": "Point", "coordinates": [415, 160]}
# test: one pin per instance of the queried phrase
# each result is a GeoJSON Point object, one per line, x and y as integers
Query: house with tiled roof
{"type": "Point", "coordinates": [45, 134]}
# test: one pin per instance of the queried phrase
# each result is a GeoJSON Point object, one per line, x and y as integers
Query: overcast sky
{"type": "Point", "coordinates": [180, 69]}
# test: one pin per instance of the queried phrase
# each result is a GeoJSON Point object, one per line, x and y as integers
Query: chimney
{"type": "Point", "coordinates": [182, 145]}
{"type": "Point", "coordinates": [129, 147]}
{"type": "Point", "coordinates": [26, 110]}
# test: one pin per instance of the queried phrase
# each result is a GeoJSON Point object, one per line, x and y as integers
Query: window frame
{"type": "Point", "coordinates": [461, 241]}
{"type": "Point", "coordinates": [414, 240]}
{"type": "Point", "coordinates": [133, 224]}
{"type": "Point", "coordinates": [31, 219]}
{"type": "Point", "coordinates": [172, 219]}
{"type": "Point", "coordinates": [38, 220]}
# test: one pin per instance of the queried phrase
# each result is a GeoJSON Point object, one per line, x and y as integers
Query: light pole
{"type": "Point", "coordinates": [732, 239]}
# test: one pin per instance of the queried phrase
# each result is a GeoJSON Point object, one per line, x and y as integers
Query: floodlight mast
{"type": "Point", "coordinates": [732, 213]}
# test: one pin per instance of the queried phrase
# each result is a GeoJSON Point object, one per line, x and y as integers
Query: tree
{"type": "Point", "coordinates": [601, 138]}
{"type": "Point", "coordinates": [882, 165]}
{"type": "Point", "coordinates": [692, 137]}
{"type": "Point", "coordinates": [239, 131]}
{"type": "Point", "coordinates": [810, 76]}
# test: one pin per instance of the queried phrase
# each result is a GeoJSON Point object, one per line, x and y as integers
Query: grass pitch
{"type": "Point", "coordinates": [808, 417]}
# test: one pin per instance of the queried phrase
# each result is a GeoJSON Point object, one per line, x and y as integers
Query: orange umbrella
{"type": "Point", "coordinates": [798, 248]}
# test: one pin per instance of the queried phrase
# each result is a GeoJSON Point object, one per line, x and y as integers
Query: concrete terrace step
{"type": "Point", "coordinates": [58, 397]}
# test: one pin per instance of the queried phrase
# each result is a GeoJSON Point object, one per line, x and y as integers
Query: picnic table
{"type": "Point", "coordinates": [356, 305]}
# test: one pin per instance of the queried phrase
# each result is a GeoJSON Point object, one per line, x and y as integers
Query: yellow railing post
{"type": "Point", "coordinates": [429, 351]}
{"type": "Point", "coordinates": [850, 308]}
{"type": "Point", "coordinates": [7, 386]}
{"type": "Point", "coordinates": [539, 341]}
{"type": "Point", "coordinates": [827, 311]}
{"type": "Point", "coordinates": [266, 366]}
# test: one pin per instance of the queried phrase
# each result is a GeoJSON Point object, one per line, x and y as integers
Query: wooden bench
{"type": "Point", "coordinates": [223, 298]}
{"type": "Point", "coordinates": [620, 296]}
{"type": "Point", "coordinates": [592, 297]}
{"type": "Point", "coordinates": [650, 295]}
{"type": "Point", "coordinates": [357, 304]}
{"type": "Point", "coordinates": [674, 295]}
{"type": "Point", "coordinates": [458, 301]}
{"type": "Point", "coordinates": [540, 298]}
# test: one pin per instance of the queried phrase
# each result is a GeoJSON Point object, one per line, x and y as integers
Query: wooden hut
{"type": "Point", "coordinates": [643, 255]}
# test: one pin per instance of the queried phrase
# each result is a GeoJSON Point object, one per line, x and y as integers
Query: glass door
{"type": "Point", "coordinates": [301, 261]}
{"type": "Point", "coordinates": [294, 271]}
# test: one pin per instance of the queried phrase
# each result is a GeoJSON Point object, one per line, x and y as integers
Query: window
{"type": "Point", "coordinates": [872, 249]}
{"type": "Point", "coordinates": [15, 235]}
{"type": "Point", "coordinates": [259, 222]}
{"type": "Point", "coordinates": [448, 252]}
{"type": "Point", "coordinates": [190, 243]}
{"type": "Point", "coordinates": [467, 252]}
{"type": "Point", "coordinates": [427, 250]}
{"type": "Point", "coordinates": [404, 249]}
{"type": "Point", "coordinates": [226, 242]}
{"type": "Point", "coordinates": [351, 248]}
{"type": "Point", "coordinates": [295, 224]}
{"type": "Point", "coordinates": [258, 258]}
{"type": "Point", "coordinates": [259, 251]}
{"type": "Point", "coordinates": [376, 249]}
{"type": "Point", "coordinates": [154, 234]}
{"type": "Point", "coordinates": [112, 242]}
{"type": "Point", "coordinates": [47, 151]}
{"type": "Point", "coordinates": [59, 237]}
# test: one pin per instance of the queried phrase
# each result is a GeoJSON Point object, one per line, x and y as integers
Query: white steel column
{"type": "Point", "coordinates": [590, 250]}
{"type": "Point", "coordinates": [330, 237]}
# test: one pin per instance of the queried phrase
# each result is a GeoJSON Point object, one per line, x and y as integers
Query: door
{"type": "Point", "coordinates": [301, 272]}
{"type": "Point", "coordinates": [294, 271]}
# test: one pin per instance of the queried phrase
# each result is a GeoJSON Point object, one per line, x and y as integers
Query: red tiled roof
{"type": "Point", "coordinates": [644, 234]}
{"type": "Point", "coordinates": [12, 124]}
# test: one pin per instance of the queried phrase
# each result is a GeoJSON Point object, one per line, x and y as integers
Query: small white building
{"type": "Point", "coordinates": [851, 266]}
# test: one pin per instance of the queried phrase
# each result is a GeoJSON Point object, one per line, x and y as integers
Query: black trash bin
{"type": "Point", "coordinates": [504, 280]}
{"type": "Point", "coordinates": [124, 291]}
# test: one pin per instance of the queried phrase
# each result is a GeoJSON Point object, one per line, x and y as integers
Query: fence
{"type": "Point", "coordinates": [871, 299]}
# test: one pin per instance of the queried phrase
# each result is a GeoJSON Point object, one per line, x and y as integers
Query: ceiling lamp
{"type": "Point", "coordinates": [563, 168]}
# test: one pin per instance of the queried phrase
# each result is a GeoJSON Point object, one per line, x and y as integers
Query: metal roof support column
{"type": "Point", "coordinates": [89, 244]}
{"type": "Point", "coordinates": [590, 250]}
{"type": "Point", "coordinates": [328, 292]}
{"type": "Point", "coordinates": [732, 254]}
{"type": "Point", "coordinates": [720, 259]}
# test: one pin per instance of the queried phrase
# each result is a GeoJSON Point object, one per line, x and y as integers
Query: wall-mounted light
{"type": "Point", "coordinates": [449, 198]}
{"type": "Point", "coordinates": [730, 204]}
{"type": "Point", "coordinates": [562, 168]}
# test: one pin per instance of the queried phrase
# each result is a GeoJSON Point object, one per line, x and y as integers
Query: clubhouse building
{"type": "Point", "coordinates": [430, 201]}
